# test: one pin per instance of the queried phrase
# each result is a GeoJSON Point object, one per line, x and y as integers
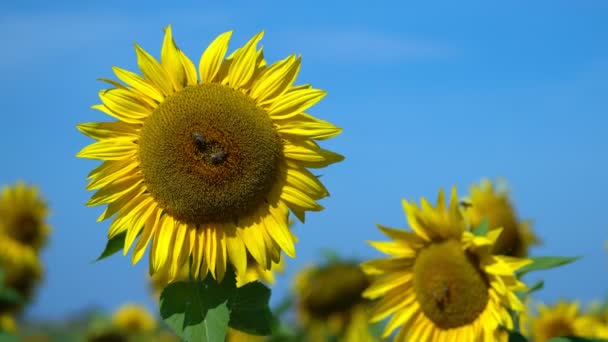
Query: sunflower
{"type": "Point", "coordinates": [21, 270]}
{"type": "Point", "coordinates": [133, 318]}
{"type": "Point", "coordinates": [441, 282]}
{"type": "Point", "coordinates": [7, 323]}
{"type": "Point", "coordinates": [492, 203]}
{"type": "Point", "coordinates": [23, 215]}
{"type": "Point", "coordinates": [208, 165]}
{"type": "Point", "coordinates": [563, 319]}
{"type": "Point", "coordinates": [329, 302]}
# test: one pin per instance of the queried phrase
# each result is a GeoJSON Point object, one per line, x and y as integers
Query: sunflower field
{"type": "Point", "coordinates": [238, 177]}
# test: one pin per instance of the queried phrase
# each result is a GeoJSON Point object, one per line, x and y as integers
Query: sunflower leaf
{"type": "Point", "coordinates": [515, 336]}
{"type": "Point", "coordinates": [249, 309]}
{"type": "Point", "coordinates": [482, 229]}
{"type": "Point", "coordinates": [5, 337]}
{"type": "Point", "coordinates": [8, 295]}
{"type": "Point", "coordinates": [198, 310]}
{"type": "Point", "coordinates": [113, 246]}
{"type": "Point", "coordinates": [545, 263]}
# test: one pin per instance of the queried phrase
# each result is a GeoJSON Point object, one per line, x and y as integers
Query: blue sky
{"type": "Point", "coordinates": [429, 95]}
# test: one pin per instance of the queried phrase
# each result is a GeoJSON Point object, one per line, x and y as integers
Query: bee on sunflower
{"type": "Point", "coordinates": [206, 165]}
{"type": "Point", "coordinates": [440, 281]}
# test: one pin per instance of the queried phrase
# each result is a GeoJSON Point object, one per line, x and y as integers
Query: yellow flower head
{"type": "Point", "coordinates": [441, 282]}
{"type": "Point", "coordinates": [207, 165]}
{"type": "Point", "coordinates": [562, 319]}
{"type": "Point", "coordinates": [492, 203]}
{"type": "Point", "coordinates": [133, 318]}
{"type": "Point", "coordinates": [21, 269]}
{"type": "Point", "coordinates": [329, 302]}
{"type": "Point", "coordinates": [7, 323]}
{"type": "Point", "coordinates": [23, 215]}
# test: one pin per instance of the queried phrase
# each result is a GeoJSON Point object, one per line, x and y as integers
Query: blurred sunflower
{"type": "Point", "coordinates": [23, 215]}
{"type": "Point", "coordinates": [208, 165]}
{"type": "Point", "coordinates": [21, 269]}
{"type": "Point", "coordinates": [441, 282]}
{"type": "Point", "coordinates": [7, 323]}
{"type": "Point", "coordinates": [562, 319]}
{"type": "Point", "coordinates": [486, 201]}
{"type": "Point", "coordinates": [133, 318]}
{"type": "Point", "coordinates": [329, 302]}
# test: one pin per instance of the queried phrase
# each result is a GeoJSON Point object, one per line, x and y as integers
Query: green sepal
{"type": "Point", "coordinates": [113, 246]}
{"type": "Point", "coordinates": [545, 263]}
{"type": "Point", "coordinates": [515, 336]}
{"type": "Point", "coordinates": [482, 228]}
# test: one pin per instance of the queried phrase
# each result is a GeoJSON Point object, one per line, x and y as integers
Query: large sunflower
{"type": "Point", "coordinates": [441, 282]}
{"type": "Point", "coordinates": [329, 302]}
{"type": "Point", "coordinates": [23, 215]}
{"type": "Point", "coordinates": [493, 203]}
{"type": "Point", "coordinates": [207, 165]}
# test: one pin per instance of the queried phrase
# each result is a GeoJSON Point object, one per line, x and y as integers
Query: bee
{"type": "Point", "coordinates": [199, 140]}
{"type": "Point", "coordinates": [218, 157]}
{"type": "Point", "coordinates": [465, 204]}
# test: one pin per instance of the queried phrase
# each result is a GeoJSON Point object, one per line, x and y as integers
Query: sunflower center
{"type": "Point", "coordinates": [334, 289]}
{"type": "Point", "coordinates": [558, 327]}
{"type": "Point", "coordinates": [510, 240]}
{"type": "Point", "coordinates": [449, 285]}
{"type": "Point", "coordinates": [208, 154]}
{"type": "Point", "coordinates": [26, 228]}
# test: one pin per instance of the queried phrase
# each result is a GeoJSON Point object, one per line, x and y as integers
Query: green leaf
{"type": "Point", "coordinates": [482, 229]}
{"type": "Point", "coordinates": [4, 337]}
{"type": "Point", "coordinates": [514, 336]}
{"type": "Point", "coordinates": [113, 246]}
{"type": "Point", "coordinates": [198, 310]}
{"type": "Point", "coordinates": [545, 263]}
{"type": "Point", "coordinates": [249, 310]}
{"type": "Point", "coordinates": [8, 295]}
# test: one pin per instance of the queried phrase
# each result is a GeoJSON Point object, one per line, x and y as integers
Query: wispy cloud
{"type": "Point", "coordinates": [29, 37]}
{"type": "Point", "coordinates": [358, 45]}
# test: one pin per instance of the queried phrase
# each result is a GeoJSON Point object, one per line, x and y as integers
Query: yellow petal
{"type": "Point", "coordinates": [295, 102]}
{"type": "Point", "coordinates": [212, 58]}
{"type": "Point", "coordinates": [153, 71]}
{"type": "Point", "coordinates": [108, 130]}
{"type": "Point", "coordinates": [276, 79]}
{"type": "Point", "coordinates": [303, 125]}
{"type": "Point", "coordinates": [170, 59]}
{"type": "Point", "coordinates": [309, 155]}
{"type": "Point", "coordinates": [301, 178]}
{"type": "Point", "coordinates": [189, 69]}
{"type": "Point", "coordinates": [236, 252]}
{"type": "Point", "coordinates": [144, 238]}
{"type": "Point", "coordinates": [162, 242]}
{"type": "Point", "coordinates": [124, 104]}
{"type": "Point", "coordinates": [142, 212]}
{"type": "Point", "coordinates": [114, 190]}
{"type": "Point", "coordinates": [139, 83]}
{"type": "Point", "coordinates": [278, 230]}
{"type": "Point", "coordinates": [244, 63]}
{"type": "Point", "coordinates": [292, 195]}
{"type": "Point", "coordinates": [111, 149]}
{"type": "Point", "coordinates": [210, 249]}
